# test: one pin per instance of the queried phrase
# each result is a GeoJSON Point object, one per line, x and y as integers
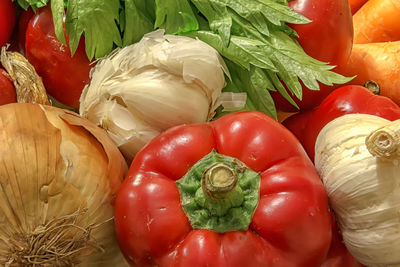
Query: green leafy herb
{"type": "Point", "coordinates": [97, 20]}
{"type": "Point", "coordinates": [270, 62]}
{"type": "Point", "coordinates": [35, 4]}
{"type": "Point", "coordinates": [218, 17]}
{"type": "Point", "coordinates": [175, 16]}
{"type": "Point", "coordinates": [252, 36]}
{"type": "Point", "coordinates": [256, 82]}
{"type": "Point", "coordinates": [57, 9]}
{"type": "Point", "coordinates": [136, 21]}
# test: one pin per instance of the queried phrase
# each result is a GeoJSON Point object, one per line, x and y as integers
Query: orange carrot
{"type": "Point", "coordinates": [356, 4]}
{"type": "Point", "coordinates": [377, 21]}
{"type": "Point", "coordinates": [379, 62]}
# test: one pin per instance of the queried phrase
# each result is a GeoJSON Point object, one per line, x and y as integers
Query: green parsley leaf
{"type": "Point", "coordinates": [258, 97]}
{"type": "Point", "coordinates": [241, 50]}
{"type": "Point", "coordinates": [57, 9]}
{"type": "Point", "coordinates": [259, 94]}
{"type": "Point", "coordinates": [219, 19]}
{"type": "Point", "coordinates": [262, 43]}
{"type": "Point", "coordinates": [292, 62]}
{"type": "Point", "coordinates": [97, 21]}
{"type": "Point", "coordinates": [35, 4]}
{"type": "Point", "coordinates": [240, 26]}
{"type": "Point", "coordinates": [136, 21]}
{"type": "Point", "coordinates": [263, 15]}
{"type": "Point", "coordinates": [251, 35]}
{"type": "Point", "coordinates": [279, 56]}
{"type": "Point", "coordinates": [175, 16]}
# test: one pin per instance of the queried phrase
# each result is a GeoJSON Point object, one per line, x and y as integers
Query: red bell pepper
{"type": "Point", "coordinates": [307, 125]}
{"type": "Point", "coordinates": [238, 191]}
{"type": "Point", "coordinates": [344, 100]}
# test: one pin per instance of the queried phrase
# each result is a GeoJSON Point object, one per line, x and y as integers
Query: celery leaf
{"type": "Point", "coordinates": [57, 9]}
{"type": "Point", "coordinates": [97, 21]}
{"type": "Point", "coordinates": [35, 4]}
{"type": "Point", "coordinates": [175, 16]}
{"type": "Point", "coordinates": [258, 96]}
{"type": "Point", "coordinates": [253, 36]}
{"type": "Point", "coordinates": [136, 21]}
{"type": "Point", "coordinates": [218, 17]}
{"type": "Point", "coordinates": [283, 62]}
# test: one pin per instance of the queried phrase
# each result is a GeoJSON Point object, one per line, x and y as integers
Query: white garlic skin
{"type": "Point", "coordinates": [364, 191]}
{"type": "Point", "coordinates": [162, 81]}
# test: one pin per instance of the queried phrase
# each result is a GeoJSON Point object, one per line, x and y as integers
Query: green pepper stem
{"type": "Point", "coordinates": [219, 193]}
{"type": "Point", "coordinates": [219, 180]}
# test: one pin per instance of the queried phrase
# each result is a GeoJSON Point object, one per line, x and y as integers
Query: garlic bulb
{"type": "Point", "coordinates": [357, 157]}
{"type": "Point", "coordinates": [58, 178]}
{"type": "Point", "coordinates": [145, 88]}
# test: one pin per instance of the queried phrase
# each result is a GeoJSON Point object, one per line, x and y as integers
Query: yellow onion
{"type": "Point", "coordinates": [59, 174]}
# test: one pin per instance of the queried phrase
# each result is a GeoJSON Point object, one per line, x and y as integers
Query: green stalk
{"type": "Point", "coordinates": [219, 193]}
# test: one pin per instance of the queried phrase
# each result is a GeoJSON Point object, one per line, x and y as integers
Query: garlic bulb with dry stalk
{"type": "Point", "coordinates": [59, 174]}
{"type": "Point", "coordinates": [145, 88]}
{"type": "Point", "coordinates": [357, 157]}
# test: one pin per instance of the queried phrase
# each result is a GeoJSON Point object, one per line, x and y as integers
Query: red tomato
{"type": "Point", "coordinates": [7, 90]}
{"type": "Point", "coordinates": [329, 38]}
{"type": "Point", "coordinates": [7, 20]}
{"type": "Point", "coordinates": [344, 100]}
{"type": "Point", "coordinates": [23, 21]}
{"type": "Point", "coordinates": [63, 76]}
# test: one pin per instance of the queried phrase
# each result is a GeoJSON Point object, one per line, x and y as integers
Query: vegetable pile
{"type": "Point", "coordinates": [199, 132]}
{"type": "Point", "coordinates": [64, 76]}
{"type": "Point", "coordinates": [253, 37]}
{"type": "Point", "coordinates": [328, 37]}
{"type": "Point", "coordinates": [181, 76]}
{"type": "Point", "coordinates": [375, 54]}
{"type": "Point", "coordinates": [245, 198]}
{"type": "Point", "coordinates": [357, 157]}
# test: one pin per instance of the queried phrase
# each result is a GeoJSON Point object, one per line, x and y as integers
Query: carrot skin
{"type": "Point", "coordinates": [379, 62]}
{"type": "Point", "coordinates": [377, 21]}
{"type": "Point", "coordinates": [355, 5]}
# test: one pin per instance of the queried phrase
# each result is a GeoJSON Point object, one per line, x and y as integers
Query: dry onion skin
{"type": "Point", "coordinates": [59, 174]}
{"type": "Point", "coordinates": [357, 157]}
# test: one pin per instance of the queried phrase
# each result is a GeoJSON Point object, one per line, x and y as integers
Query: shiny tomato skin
{"type": "Point", "coordinates": [63, 76]}
{"type": "Point", "coordinates": [8, 14]}
{"type": "Point", "coordinates": [328, 37]}
{"type": "Point", "coordinates": [291, 224]}
{"type": "Point", "coordinates": [344, 100]}
{"type": "Point", "coordinates": [7, 89]}
{"type": "Point", "coordinates": [23, 22]}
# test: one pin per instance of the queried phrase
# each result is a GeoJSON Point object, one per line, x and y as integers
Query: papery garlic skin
{"type": "Point", "coordinates": [364, 191]}
{"type": "Point", "coordinates": [145, 88]}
